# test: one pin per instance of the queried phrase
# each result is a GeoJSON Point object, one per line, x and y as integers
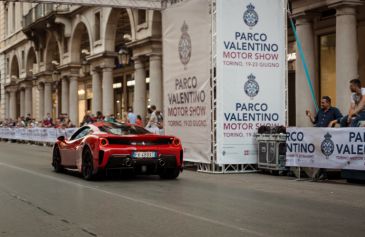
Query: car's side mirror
{"type": "Point", "coordinates": [61, 138]}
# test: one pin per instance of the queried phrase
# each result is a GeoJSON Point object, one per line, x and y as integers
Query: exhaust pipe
{"type": "Point", "coordinates": [128, 162]}
{"type": "Point", "coordinates": [161, 162]}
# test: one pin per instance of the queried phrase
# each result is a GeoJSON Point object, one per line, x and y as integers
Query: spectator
{"type": "Point", "coordinates": [48, 122]}
{"type": "Point", "coordinates": [327, 115]}
{"type": "Point", "coordinates": [20, 123]}
{"type": "Point", "coordinates": [87, 119]}
{"type": "Point", "coordinates": [57, 123]}
{"type": "Point", "coordinates": [152, 122]}
{"type": "Point", "coordinates": [159, 119]}
{"type": "Point", "coordinates": [357, 106]}
{"type": "Point", "coordinates": [131, 116]}
{"type": "Point", "coordinates": [139, 121]}
{"type": "Point", "coordinates": [110, 118]}
{"type": "Point", "coordinates": [28, 119]}
{"type": "Point", "coordinates": [99, 116]}
{"type": "Point", "coordinates": [148, 116]}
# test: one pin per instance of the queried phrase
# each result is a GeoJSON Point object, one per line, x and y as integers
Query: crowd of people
{"type": "Point", "coordinates": [153, 121]}
{"type": "Point", "coordinates": [63, 121]}
{"type": "Point", "coordinates": [329, 116]}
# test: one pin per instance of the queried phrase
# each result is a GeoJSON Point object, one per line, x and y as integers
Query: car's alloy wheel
{"type": "Point", "coordinates": [56, 160]}
{"type": "Point", "coordinates": [170, 173]}
{"type": "Point", "coordinates": [87, 165]}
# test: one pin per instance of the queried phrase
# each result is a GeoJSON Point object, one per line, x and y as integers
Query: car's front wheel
{"type": "Point", "coordinates": [170, 173]}
{"type": "Point", "coordinates": [87, 165]}
{"type": "Point", "coordinates": [56, 160]}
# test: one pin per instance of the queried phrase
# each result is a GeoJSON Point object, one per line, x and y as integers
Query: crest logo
{"type": "Point", "coordinates": [250, 16]}
{"type": "Point", "coordinates": [252, 88]}
{"type": "Point", "coordinates": [185, 45]}
{"type": "Point", "coordinates": [327, 146]}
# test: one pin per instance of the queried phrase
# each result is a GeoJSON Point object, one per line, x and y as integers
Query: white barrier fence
{"type": "Point", "coordinates": [35, 134]}
{"type": "Point", "coordinates": [331, 148]}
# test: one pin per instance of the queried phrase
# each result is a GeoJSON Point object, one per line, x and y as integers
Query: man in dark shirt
{"type": "Point", "coordinates": [327, 115]}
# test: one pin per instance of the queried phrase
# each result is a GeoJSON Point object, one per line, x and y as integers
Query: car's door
{"type": "Point", "coordinates": [71, 147]}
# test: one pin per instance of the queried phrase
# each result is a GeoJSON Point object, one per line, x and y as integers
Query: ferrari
{"type": "Point", "coordinates": [99, 147]}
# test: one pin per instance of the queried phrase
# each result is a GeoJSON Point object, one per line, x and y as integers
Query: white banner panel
{"type": "Point", "coordinates": [332, 148]}
{"type": "Point", "coordinates": [186, 68]}
{"type": "Point", "coordinates": [35, 134]}
{"type": "Point", "coordinates": [251, 65]}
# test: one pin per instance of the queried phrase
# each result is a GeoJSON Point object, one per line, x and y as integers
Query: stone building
{"type": "Point", "coordinates": [72, 59]}
{"type": "Point", "coordinates": [332, 34]}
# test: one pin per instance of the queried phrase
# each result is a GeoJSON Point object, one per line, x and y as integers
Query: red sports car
{"type": "Point", "coordinates": [105, 146]}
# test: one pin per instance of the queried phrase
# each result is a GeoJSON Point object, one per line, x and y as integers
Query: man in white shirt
{"type": "Point", "coordinates": [153, 118]}
{"type": "Point", "coordinates": [357, 106]}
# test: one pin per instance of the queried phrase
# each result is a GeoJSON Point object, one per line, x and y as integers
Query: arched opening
{"type": "Point", "coordinates": [119, 32]}
{"type": "Point", "coordinates": [14, 75]}
{"type": "Point", "coordinates": [80, 49]}
{"type": "Point", "coordinates": [80, 44]}
{"type": "Point", "coordinates": [31, 67]}
{"type": "Point", "coordinates": [14, 70]}
{"type": "Point", "coordinates": [156, 24]}
{"type": "Point", "coordinates": [118, 29]}
{"type": "Point", "coordinates": [53, 58]}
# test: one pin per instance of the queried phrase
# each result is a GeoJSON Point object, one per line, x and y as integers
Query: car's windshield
{"type": "Point", "coordinates": [122, 129]}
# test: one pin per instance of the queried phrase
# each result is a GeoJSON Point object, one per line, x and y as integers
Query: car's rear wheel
{"type": "Point", "coordinates": [170, 173]}
{"type": "Point", "coordinates": [87, 165]}
{"type": "Point", "coordinates": [56, 160]}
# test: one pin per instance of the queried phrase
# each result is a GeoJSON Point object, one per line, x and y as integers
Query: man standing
{"type": "Point", "coordinates": [131, 116]}
{"type": "Point", "coordinates": [327, 115]}
{"type": "Point", "coordinates": [357, 106]}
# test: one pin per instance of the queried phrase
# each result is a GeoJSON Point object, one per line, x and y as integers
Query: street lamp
{"type": "Point", "coordinates": [55, 79]}
{"type": "Point", "coordinates": [55, 76]}
{"type": "Point", "coordinates": [123, 56]}
{"type": "Point", "coordinates": [85, 67]}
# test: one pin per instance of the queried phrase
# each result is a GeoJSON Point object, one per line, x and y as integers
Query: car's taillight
{"type": "Point", "coordinates": [176, 142]}
{"type": "Point", "coordinates": [104, 142]}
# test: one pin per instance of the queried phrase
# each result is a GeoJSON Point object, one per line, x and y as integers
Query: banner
{"type": "Point", "coordinates": [332, 148]}
{"type": "Point", "coordinates": [251, 72]}
{"type": "Point", "coordinates": [36, 134]}
{"type": "Point", "coordinates": [186, 68]}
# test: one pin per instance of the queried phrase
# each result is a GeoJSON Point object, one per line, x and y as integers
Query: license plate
{"type": "Point", "coordinates": [144, 154]}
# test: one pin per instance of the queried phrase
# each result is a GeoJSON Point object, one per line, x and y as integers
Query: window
{"type": "Point", "coordinates": [141, 16]}
{"type": "Point", "coordinates": [6, 20]}
{"type": "Point", "coordinates": [97, 26]}
{"type": "Point", "coordinates": [327, 59]}
{"type": "Point", "coordinates": [122, 129]}
{"type": "Point", "coordinates": [23, 59]}
{"type": "Point", "coordinates": [82, 132]}
{"type": "Point", "coordinates": [7, 66]}
{"type": "Point", "coordinates": [13, 17]}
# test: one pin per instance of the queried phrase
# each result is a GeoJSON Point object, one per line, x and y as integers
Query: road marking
{"type": "Point", "coordinates": [147, 203]}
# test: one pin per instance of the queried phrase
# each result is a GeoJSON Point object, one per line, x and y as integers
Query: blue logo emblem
{"type": "Point", "coordinates": [250, 16]}
{"type": "Point", "coordinates": [185, 45]}
{"type": "Point", "coordinates": [327, 146]}
{"type": "Point", "coordinates": [252, 88]}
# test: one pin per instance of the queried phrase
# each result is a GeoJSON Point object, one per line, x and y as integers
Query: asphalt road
{"type": "Point", "coordinates": [35, 201]}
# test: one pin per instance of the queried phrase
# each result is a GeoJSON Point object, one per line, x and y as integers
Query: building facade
{"type": "Point", "coordinates": [332, 35]}
{"type": "Point", "coordinates": [74, 59]}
